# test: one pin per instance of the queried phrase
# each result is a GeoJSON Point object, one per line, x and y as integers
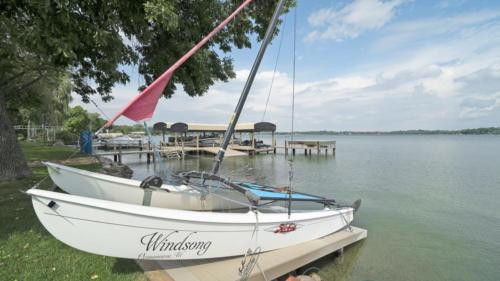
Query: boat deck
{"type": "Point", "coordinates": [274, 263]}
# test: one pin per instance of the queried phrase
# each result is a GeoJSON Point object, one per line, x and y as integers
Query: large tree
{"type": "Point", "coordinates": [93, 40]}
{"type": "Point", "coordinates": [44, 103]}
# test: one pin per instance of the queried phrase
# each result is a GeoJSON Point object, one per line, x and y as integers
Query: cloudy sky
{"type": "Point", "coordinates": [361, 65]}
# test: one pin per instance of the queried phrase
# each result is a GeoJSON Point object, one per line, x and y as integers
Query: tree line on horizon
{"type": "Point", "coordinates": [471, 131]}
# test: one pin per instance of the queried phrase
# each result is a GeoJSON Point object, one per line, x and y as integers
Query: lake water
{"type": "Point", "coordinates": [431, 204]}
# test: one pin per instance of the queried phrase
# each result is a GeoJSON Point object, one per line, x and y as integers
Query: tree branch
{"type": "Point", "coordinates": [31, 83]}
{"type": "Point", "coordinates": [5, 81]}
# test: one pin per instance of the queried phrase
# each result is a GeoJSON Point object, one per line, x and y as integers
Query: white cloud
{"type": "Point", "coordinates": [411, 34]}
{"type": "Point", "coordinates": [351, 20]}
{"type": "Point", "coordinates": [383, 99]}
{"type": "Point", "coordinates": [444, 4]}
{"type": "Point", "coordinates": [434, 74]}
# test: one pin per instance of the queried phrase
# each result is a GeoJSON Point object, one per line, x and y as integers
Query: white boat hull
{"type": "Point", "coordinates": [138, 232]}
{"type": "Point", "coordinates": [100, 186]}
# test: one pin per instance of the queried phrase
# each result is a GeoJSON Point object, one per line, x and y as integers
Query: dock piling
{"type": "Point", "coordinates": [119, 154]}
{"type": "Point", "coordinates": [140, 148]}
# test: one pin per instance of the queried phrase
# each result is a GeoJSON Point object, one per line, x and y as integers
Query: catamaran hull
{"type": "Point", "coordinates": [95, 185]}
{"type": "Point", "coordinates": [139, 232]}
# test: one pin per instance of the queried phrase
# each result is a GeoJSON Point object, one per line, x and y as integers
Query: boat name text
{"type": "Point", "coordinates": [162, 242]}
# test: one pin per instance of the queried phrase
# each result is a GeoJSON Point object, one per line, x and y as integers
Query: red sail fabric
{"type": "Point", "coordinates": [142, 107]}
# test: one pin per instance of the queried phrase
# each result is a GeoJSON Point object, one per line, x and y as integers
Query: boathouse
{"type": "Point", "coordinates": [195, 137]}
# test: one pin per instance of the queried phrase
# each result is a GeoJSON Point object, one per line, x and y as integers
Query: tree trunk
{"type": "Point", "coordinates": [12, 161]}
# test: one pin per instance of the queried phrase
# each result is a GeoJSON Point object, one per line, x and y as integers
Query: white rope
{"type": "Point", "coordinates": [155, 152]}
{"type": "Point", "coordinates": [282, 35]}
{"type": "Point", "coordinates": [290, 173]}
{"type": "Point", "coordinates": [98, 108]}
{"type": "Point", "coordinates": [247, 266]}
{"type": "Point", "coordinates": [37, 184]}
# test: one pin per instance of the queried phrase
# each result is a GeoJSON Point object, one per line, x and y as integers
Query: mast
{"type": "Point", "coordinates": [241, 102]}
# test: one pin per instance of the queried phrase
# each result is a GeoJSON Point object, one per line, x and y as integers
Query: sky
{"type": "Point", "coordinates": [362, 65]}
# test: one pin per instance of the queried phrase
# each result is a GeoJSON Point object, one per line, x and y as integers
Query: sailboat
{"type": "Point", "coordinates": [184, 197]}
{"type": "Point", "coordinates": [125, 230]}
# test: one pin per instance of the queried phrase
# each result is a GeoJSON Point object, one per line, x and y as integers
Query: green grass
{"type": "Point", "coordinates": [29, 252]}
{"type": "Point", "coordinates": [37, 152]}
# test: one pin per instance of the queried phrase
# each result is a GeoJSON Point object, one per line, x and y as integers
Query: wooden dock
{"type": "Point", "coordinates": [273, 264]}
{"type": "Point", "coordinates": [167, 152]}
{"type": "Point", "coordinates": [117, 154]}
{"type": "Point", "coordinates": [181, 150]}
{"type": "Point", "coordinates": [309, 146]}
{"type": "Point", "coordinates": [233, 149]}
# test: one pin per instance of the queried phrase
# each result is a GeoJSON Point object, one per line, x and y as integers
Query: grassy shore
{"type": "Point", "coordinates": [29, 252]}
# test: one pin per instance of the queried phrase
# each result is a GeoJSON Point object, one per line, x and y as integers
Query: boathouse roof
{"type": "Point", "coordinates": [181, 127]}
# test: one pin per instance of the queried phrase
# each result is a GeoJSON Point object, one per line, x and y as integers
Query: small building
{"type": "Point", "coordinates": [208, 137]}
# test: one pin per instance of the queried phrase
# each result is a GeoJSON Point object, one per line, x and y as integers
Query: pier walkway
{"type": "Point", "coordinates": [311, 145]}
{"type": "Point", "coordinates": [165, 150]}
{"type": "Point", "coordinates": [273, 263]}
{"type": "Point", "coordinates": [168, 152]}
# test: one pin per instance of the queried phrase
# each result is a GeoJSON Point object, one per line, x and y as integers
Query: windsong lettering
{"type": "Point", "coordinates": [174, 242]}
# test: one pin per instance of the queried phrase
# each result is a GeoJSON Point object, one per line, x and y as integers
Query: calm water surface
{"type": "Point", "coordinates": [431, 204]}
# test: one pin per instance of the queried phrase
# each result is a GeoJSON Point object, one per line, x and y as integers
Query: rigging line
{"type": "Point", "coordinates": [37, 184]}
{"type": "Point", "coordinates": [156, 153]}
{"type": "Point", "coordinates": [290, 176]}
{"type": "Point", "coordinates": [293, 68]}
{"type": "Point", "coordinates": [282, 35]}
{"type": "Point", "coordinates": [98, 108]}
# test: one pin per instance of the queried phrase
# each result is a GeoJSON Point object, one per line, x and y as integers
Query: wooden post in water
{"type": "Point", "coordinates": [253, 140]}
{"type": "Point", "coordinates": [274, 142]}
{"type": "Point", "coordinates": [148, 158]}
{"type": "Point", "coordinates": [119, 154]}
{"type": "Point", "coordinates": [140, 149]}
{"type": "Point", "coordinates": [182, 149]}
{"type": "Point", "coordinates": [198, 143]}
{"type": "Point", "coordinates": [286, 149]}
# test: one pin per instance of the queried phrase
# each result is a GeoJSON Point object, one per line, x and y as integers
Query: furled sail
{"type": "Point", "coordinates": [142, 107]}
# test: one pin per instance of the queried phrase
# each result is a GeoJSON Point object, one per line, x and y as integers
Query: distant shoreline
{"type": "Point", "coordinates": [475, 131]}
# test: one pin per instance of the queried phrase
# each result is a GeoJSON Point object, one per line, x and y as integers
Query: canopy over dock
{"type": "Point", "coordinates": [181, 127]}
{"type": "Point", "coordinates": [197, 137]}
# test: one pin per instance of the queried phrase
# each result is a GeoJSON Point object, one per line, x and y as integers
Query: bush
{"type": "Point", "coordinates": [67, 137]}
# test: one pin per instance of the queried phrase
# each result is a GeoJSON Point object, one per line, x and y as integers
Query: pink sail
{"type": "Point", "coordinates": [142, 107]}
